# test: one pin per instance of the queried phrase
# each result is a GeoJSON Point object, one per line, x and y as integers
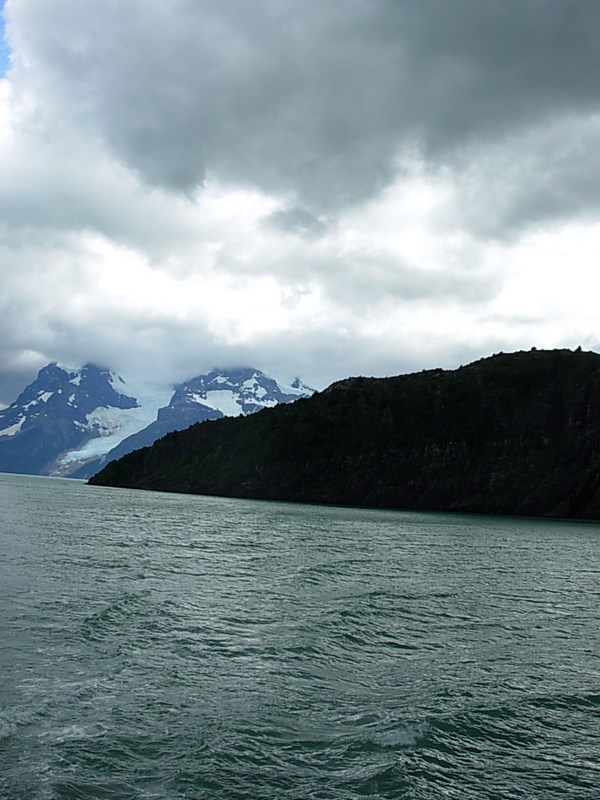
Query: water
{"type": "Point", "coordinates": [167, 646]}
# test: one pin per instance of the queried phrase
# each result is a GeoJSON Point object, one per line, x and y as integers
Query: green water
{"type": "Point", "coordinates": [168, 646]}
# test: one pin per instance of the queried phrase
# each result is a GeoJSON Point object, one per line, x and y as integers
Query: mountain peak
{"type": "Point", "coordinates": [69, 420]}
{"type": "Point", "coordinates": [60, 411]}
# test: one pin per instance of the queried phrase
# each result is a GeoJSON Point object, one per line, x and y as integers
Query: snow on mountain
{"type": "Point", "coordinates": [299, 388]}
{"type": "Point", "coordinates": [12, 429]}
{"type": "Point", "coordinates": [65, 417]}
{"type": "Point", "coordinates": [113, 425]}
{"type": "Point", "coordinates": [223, 400]}
{"type": "Point", "coordinates": [231, 393]}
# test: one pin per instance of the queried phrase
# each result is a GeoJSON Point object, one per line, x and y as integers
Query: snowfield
{"type": "Point", "coordinates": [12, 429]}
{"type": "Point", "coordinates": [109, 426]}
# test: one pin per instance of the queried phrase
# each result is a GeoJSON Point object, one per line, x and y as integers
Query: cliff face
{"type": "Point", "coordinates": [510, 434]}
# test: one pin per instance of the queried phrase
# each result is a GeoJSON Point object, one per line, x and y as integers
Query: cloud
{"type": "Point", "coordinates": [306, 186]}
{"type": "Point", "coordinates": [297, 220]}
{"type": "Point", "coordinates": [300, 97]}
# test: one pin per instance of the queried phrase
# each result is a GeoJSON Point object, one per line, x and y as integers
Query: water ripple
{"type": "Point", "coordinates": [163, 646]}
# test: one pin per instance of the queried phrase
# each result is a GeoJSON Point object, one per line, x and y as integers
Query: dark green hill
{"type": "Point", "coordinates": [510, 434]}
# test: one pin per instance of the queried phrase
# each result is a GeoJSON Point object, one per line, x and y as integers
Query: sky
{"type": "Point", "coordinates": [319, 188]}
{"type": "Point", "coordinates": [4, 50]}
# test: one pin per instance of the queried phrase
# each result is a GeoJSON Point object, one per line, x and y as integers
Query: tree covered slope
{"type": "Point", "coordinates": [512, 434]}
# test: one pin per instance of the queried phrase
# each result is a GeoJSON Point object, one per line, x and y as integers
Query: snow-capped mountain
{"type": "Point", "coordinates": [71, 422]}
{"type": "Point", "coordinates": [219, 393]}
{"type": "Point", "coordinates": [65, 418]}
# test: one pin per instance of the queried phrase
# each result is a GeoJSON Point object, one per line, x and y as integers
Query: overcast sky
{"type": "Point", "coordinates": [319, 188]}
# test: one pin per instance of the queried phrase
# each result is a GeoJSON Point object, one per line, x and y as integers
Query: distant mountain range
{"type": "Point", "coordinates": [511, 434]}
{"type": "Point", "coordinates": [71, 422]}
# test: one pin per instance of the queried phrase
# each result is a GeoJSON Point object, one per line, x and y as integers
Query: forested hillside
{"type": "Point", "coordinates": [512, 434]}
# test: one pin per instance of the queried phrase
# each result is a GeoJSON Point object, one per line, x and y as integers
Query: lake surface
{"type": "Point", "coordinates": [170, 646]}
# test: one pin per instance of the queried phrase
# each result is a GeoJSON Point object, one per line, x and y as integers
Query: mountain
{"type": "Point", "coordinates": [70, 422]}
{"type": "Point", "coordinates": [67, 417]}
{"type": "Point", "coordinates": [511, 434]}
{"type": "Point", "coordinates": [217, 394]}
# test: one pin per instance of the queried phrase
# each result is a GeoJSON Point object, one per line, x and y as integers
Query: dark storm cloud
{"type": "Point", "coordinates": [543, 175]}
{"type": "Point", "coordinates": [313, 100]}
